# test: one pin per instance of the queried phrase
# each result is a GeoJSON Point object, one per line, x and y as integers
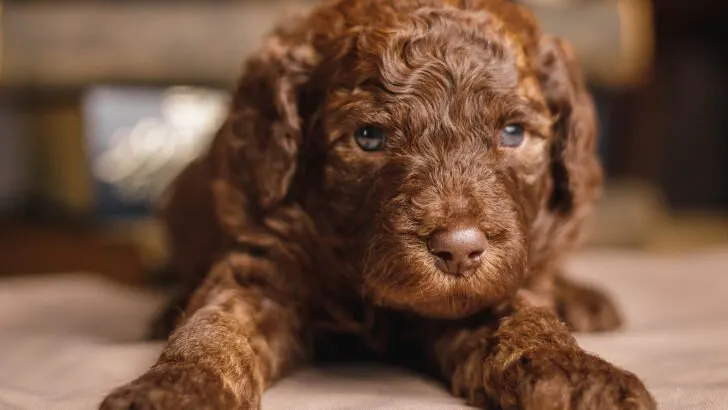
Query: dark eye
{"type": "Point", "coordinates": [370, 138]}
{"type": "Point", "coordinates": [512, 135]}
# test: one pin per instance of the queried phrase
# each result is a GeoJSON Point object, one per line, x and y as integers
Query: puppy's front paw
{"type": "Point", "coordinates": [173, 388]}
{"type": "Point", "coordinates": [136, 396]}
{"type": "Point", "coordinates": [574, 380]}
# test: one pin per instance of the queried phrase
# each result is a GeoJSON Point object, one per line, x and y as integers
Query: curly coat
{"type": "Point", "coordinates": [296, 244]}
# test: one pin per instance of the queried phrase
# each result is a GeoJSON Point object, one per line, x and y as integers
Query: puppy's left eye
{"type": "Point", "coordinates": [512, 135]}
{"type": "Point", "coordinates": [370, 138]}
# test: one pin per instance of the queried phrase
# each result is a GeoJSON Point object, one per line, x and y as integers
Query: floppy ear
{"type": "Point", "coordinates": [575, 168]}
{"type": "Point", "coordinates": [256, 150]}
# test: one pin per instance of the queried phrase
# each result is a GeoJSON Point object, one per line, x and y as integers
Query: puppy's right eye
{"type": "Point", "coordinates": [512, 135]}
{"type": "Point", "coordinates": [370, 138]}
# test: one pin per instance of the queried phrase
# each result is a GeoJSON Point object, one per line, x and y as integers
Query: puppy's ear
{"type": "Point", "coordinates": [256, 150]}
{"type": "Point", "coordinates": [575, 167]}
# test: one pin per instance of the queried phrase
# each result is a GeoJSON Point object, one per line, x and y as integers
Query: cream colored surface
{"type": "Point", "coordinates": [66, 340]}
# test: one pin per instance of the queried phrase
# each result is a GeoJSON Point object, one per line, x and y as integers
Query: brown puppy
{"type": "Point", "coordinates": [401, 179]}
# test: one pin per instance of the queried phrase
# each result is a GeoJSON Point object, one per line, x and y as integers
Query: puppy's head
{"type": "Point", "coordinates": [449, 148]}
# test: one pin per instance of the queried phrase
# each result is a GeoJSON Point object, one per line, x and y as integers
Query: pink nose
{"type": "Point", "coordinates": [458, 251]}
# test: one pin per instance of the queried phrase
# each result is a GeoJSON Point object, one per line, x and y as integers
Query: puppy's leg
{"type": "Point", "coordinates": [583, 308]}
{"type": "Point", "coordinates": [529, 360]}
{"type": "Point", "coordinates": [242, 333]}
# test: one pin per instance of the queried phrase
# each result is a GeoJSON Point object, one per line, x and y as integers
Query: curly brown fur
{"type": "Point", "coordinates": [294, 244]}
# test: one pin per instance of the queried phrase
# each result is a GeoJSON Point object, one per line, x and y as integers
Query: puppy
{"type": "Point", "coordinates": [396, 180]}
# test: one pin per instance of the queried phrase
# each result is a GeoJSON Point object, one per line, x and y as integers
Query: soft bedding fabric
{"type": "Point", "coordinates": [65, 340]}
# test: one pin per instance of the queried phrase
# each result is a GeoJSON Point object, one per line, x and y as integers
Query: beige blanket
{"type": "Point", "coordinates": [66, 340]}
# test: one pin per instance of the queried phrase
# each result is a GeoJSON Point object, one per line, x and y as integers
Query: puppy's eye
{"type": "Point", "coordinates": [370, 138]}
{"type": "Point", "coordinates": [512, 135]}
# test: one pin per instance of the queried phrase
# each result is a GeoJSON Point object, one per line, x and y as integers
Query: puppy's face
{"type": "Point", "coordinates": [450, 149]}
{"type": "Point", "coordinates": [437, 140]}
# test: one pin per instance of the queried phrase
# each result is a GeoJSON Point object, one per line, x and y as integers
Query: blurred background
{"type": "Point", "coordinates": [103, 101]}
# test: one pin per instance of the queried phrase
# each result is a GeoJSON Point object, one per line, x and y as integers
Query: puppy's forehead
{"type": "Point", "coordinates": [445, 58]}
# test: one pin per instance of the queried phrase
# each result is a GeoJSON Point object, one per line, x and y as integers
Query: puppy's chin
{"type": "Point", "coordinates": [446, 307]}
{"type": "Point", "coordinates": [403, 276]}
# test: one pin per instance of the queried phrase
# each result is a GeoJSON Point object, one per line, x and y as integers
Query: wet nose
{"type": "Point", "coordinates": [459, 250]}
